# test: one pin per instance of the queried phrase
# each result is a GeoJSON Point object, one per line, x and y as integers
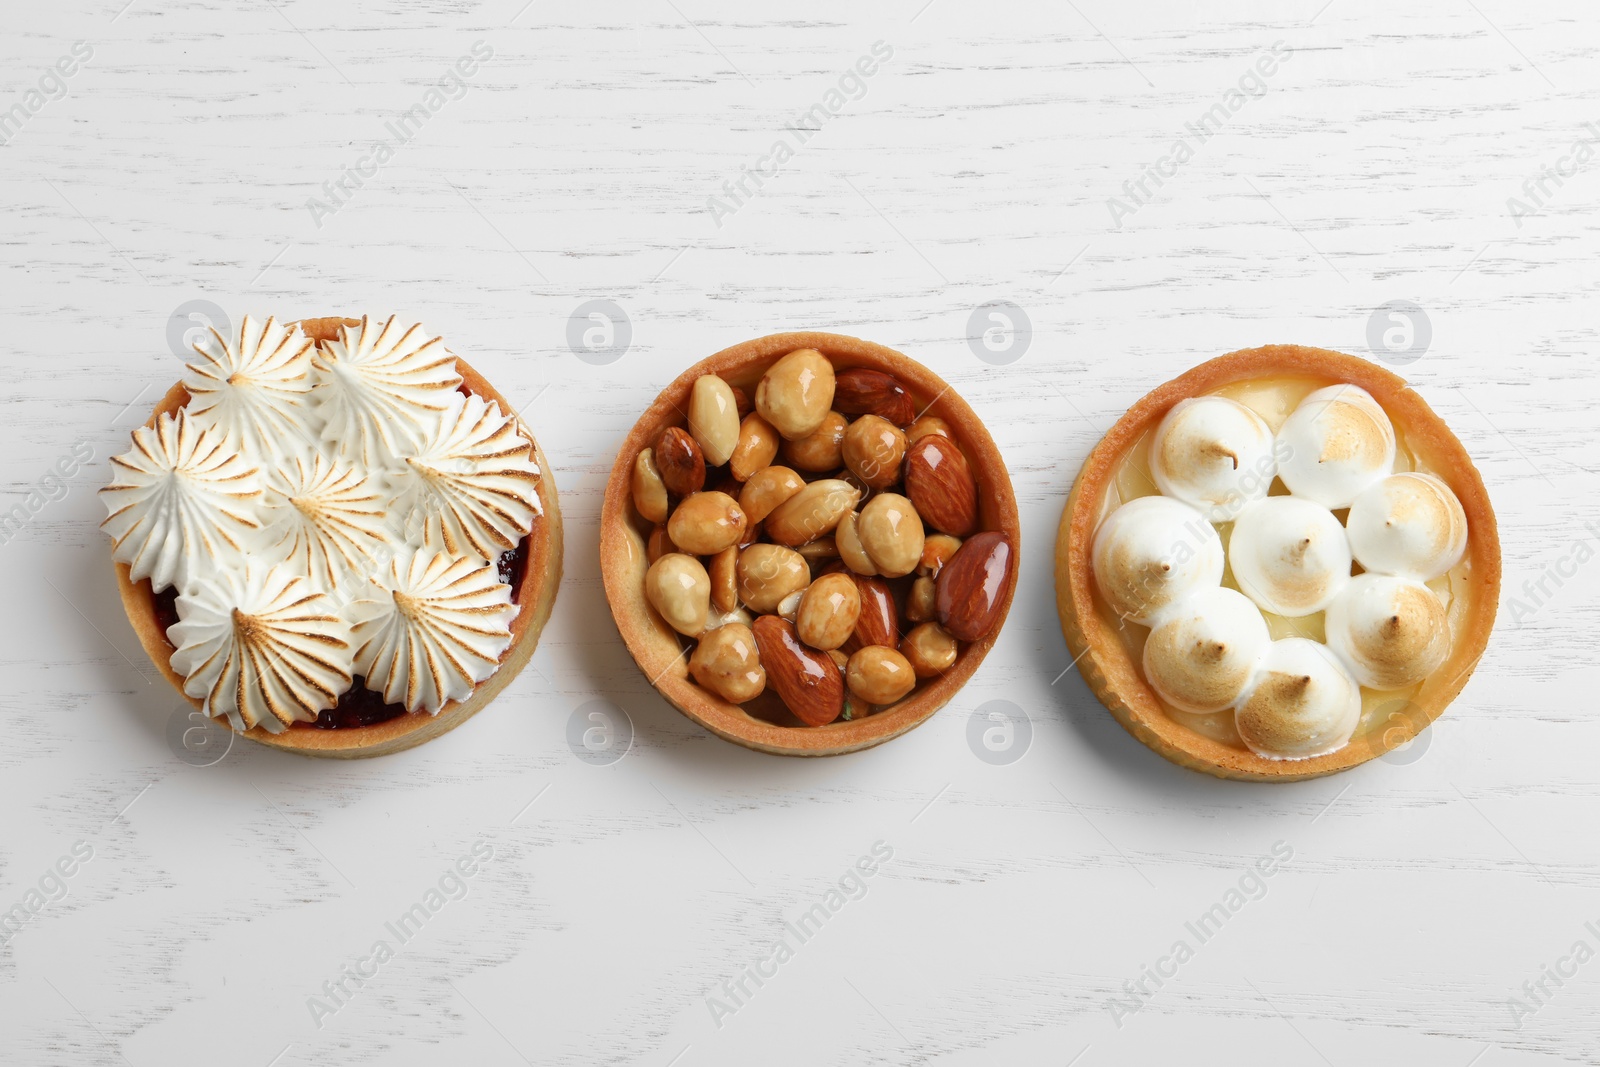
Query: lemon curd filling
{"type": "Point", "coordinates": [1273, 399]}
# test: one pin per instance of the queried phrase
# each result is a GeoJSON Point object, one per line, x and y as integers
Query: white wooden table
{"type": "Point", "coordinates": [622, 903]}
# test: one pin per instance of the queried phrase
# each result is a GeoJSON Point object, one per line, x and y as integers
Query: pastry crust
{"type": "Point", "coordinates": [656, 647]}
{"type": "Point", "coordinates": [1104, 660]}
{"type": "Point", "coordinates": [536, 597]}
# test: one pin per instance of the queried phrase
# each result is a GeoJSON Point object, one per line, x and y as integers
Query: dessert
{"type": "Point", "coordinates": [335, 536]}
{"type": "Point", "coordinates": [809, 543]}
{"type": "Point", "coordinates": [1270, 552]}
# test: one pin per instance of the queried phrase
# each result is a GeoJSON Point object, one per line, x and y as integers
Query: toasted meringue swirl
{"type": "Point", "coordinates": [327, 519]}
{"type": "Point", "coordinates": [1335, 444]}
{"type": "Point", "coordinates": [379, 388]}
{"type": "Point", "coordinates": [1301, 703]}
{"type": "Point", "coordinates": [254, 390]}
{"type": "Point", "coordinates": [1214, 454]}
{"type": "Point", "coordinates": [1203, 652]}
{"type": "Point", "coordinates": [260, 647]}
{"type": "Point", "coordinates": [434, 628]}
{"type": "Point", "coordinates": [1150, 553]}
{"type": "Point", "coordinates": [1391, 632]}
{"type": "Point", "coordinates": [473, 484]}
{"type": "Point", "coordinates": [1409, 524]}
{"type": "Point", "coordinates": [1289, 555]}
{"type": "Point", "coordinates": [181, 500]}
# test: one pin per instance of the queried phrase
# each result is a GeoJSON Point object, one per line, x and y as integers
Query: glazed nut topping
{"type": "Point", "coordinates": [713, 419]}
{"type": "Point", "coordinates": [649, 491]}
{"type": "Point", "coordinates": [793, 528]}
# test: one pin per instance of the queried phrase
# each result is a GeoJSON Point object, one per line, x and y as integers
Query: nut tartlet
{"type": "Point", "coordinates": [1277, 566]}
{"type": "Point", "coordinates": [809, 543]}
{"type": "Point", "coordinates": [377, 505]}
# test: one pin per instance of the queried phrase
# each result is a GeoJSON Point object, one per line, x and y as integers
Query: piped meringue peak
{"type": "Point", "coordinates": [1289, 555]}
{"type": "Point", "coordinates": [1203, 652]}
{"type": "Point", "coordinates": [379, 388]}
{"type": "Point", "coordinates": [1409, 524]}
{"type": "Point", "coordinates": [182, 500]}
{"type": "Point", "coordinates": [254, 390]}
{"type": "Point", "coordinates": [1391, 632]}
{"type": "Point", "coordinates": [1215, 454]}
{"type": "Point", "coordinates": [1335, 444]}
{"type": "Point", "coordinates": [261, 647]}
{"type": "Point", "coordinates": [473, 483]}
{"type": "Point", "coordinates": [1302, 702]}
{"type": "Point", "coordinates": [1150, 553]}
{"type": "Point", "coordinates": [434, 627]}
{"type": "Point", "coordinates": [327, 519]}
{"type": "Point", "coordinates": [302, 491]}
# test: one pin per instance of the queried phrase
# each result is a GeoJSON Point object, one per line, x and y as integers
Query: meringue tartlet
{"type": "Point", "coordinates": [335, 536]}
{"type": "Point", "coordinates": [1277, 566]}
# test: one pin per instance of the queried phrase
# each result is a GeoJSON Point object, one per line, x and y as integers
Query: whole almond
{"type": "Point", "coordinates": [879, 622]}
{"type": "Point", "coordinates": [971, 587]}
{"type": "Point", "coordinates": [757, 447]}
{"type": "Point", "coordinates": [941, 485]}
{"type": "Point", "coordinates": [813, 512]}
{"type": "Point", "coordinates": [679, 460]}
{"type": "Point", "coordinates": [741, 402]}
{"type": "Point", "coordinates": [713, 418]}
{"type": "Point", "coordinates": [863, 391]}
{"type": "Point", "coordinates": [805, 679]}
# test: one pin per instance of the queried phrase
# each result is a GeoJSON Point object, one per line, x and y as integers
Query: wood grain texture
{"type": "Point", "coordinates": [976, 167]}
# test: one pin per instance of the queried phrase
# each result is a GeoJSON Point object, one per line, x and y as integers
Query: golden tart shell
{"type": "Point", "coordinates": [656, 647]}
{"type": "Point", "coordinates": [536, 596]}
{"type": "Point", "coordinates": [1103, 659]}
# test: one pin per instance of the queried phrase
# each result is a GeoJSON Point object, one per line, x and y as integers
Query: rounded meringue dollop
{"type": "Point", "coordinates": [1335, 444]}
{"type": "Point", "coordinates": [178, 501]}
{"type": "Point", "coordinates": [258, 645]}
{"type": "Point", "coordinates": [472, 486]}
{"type": "Point", "coordinates": [1390, 631]}
{"type": "Point", "coordinates": [435, 626]}
{"type": "Point", "coordinates": [379, 389]}
{"type": "Point", "coordinates": [326, 518]}
{"type": "Point", "coordinates": [1151, 552]}
{"type": "Point", "coordinates": [1409, 524]}
{"type": "Point", "coordinates": [1202, 653]}
{"type": "Point", "coordinates": [1301, 703]}
{"type": "Point", "coordinates": [254, 390]}
{"type": "Point", "coordinates": [1214, 454]}
{"type": "Point", "coordinates": [1289, 555]}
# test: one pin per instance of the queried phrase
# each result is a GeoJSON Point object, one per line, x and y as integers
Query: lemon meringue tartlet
{"type": "Point", "coordinates": [335, 536]}
{"type": "Point", "coordinates": [1278, 565]}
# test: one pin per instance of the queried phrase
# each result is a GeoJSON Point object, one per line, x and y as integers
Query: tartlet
{"type": "Point", "coordinates": [914, 395]}
{"type": "Point", "coordinates": [1109, 643]}
{"type": "Point", "coordinates": [527, 574]}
